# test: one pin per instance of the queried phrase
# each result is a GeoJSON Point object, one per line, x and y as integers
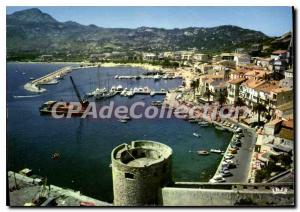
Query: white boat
{"type": "Point", "coordinates": [119, 87]}
{"type": "Point", "coordinates": [196, 135]}
{"type": "Point", "coordinates": [216, 150]}
{"type": "Point", "coordinates": [152, 93]}
{"type": "Point", "coordinates": [117, 77]}
{"type": "Point", "coordinates": [123, 120]}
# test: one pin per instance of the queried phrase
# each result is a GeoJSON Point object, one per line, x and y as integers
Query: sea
{"type": "Point", "coordinates": [85, 145]}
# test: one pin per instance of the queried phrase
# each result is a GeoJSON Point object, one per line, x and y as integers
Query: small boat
{"type": "Point", "coordinates": [220, 128]}
{"type": "Point", "coordinates": [216, 151]}
{"type": "Point", "coordinates": [127, 117]}
{"type": "Point", "coordinates": [31, 78]}
{"type": "Point", "coordinates": [196, 135]}
{"type": "Point", "coordinates": [23, 73]}
{"type": "Point", "coordinates": [203, 124]}
{"type": "Point", "coordinates": [55, 156]}
{"type": "Point", "coordinates": [123, 120]}
{"type": "Point", "coordinates": [202, 152]}
{"type": "Point", "coordinates": [192, 120]}
{"type": "Point", "coordinates": [156, 103]}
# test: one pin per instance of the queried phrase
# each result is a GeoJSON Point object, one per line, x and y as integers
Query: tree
{"type": "Point", "coordinates": [193, 86]}
{"type": "Point", "coordinates": [259, 108]}
{"type": "Point", "coordinates": [221, 97]}
{"type": "Point", "coordinates": [239, 103]}
{"type": "Point", "coordinates": [207, 94]}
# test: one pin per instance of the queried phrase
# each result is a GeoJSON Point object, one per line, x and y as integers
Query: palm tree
{"type": "Point", "coordinates": [239, 102]}
{"type": "Point", "coordinates": [222, 97]}
{"type": "Point", "coordinates": [259, 108]}
{"type": "Point", "coordinates": [207, 94]}
{"type": "Point", "coordinates": [193, 86]}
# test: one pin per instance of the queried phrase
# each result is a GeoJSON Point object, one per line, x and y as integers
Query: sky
{"type": "Point", "coordinates": [273, 21]}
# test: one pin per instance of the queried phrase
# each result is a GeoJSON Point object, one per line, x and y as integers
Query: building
{"type": "Point", "coordinates": [140, 170]}
{"type": "Point", "coordinates": [242, 59]}
{"type": "Point", "coordinates": [149, 56]}
{"type": "Point", "coordinates": [46, 58]}
{"type": "Point", "coordinates": [280, 96]}
{"type": "Point", "coordinates": [227, 56]}
{"type": "Point", "coordinates": [233, 89]}
{"type": "Point", "coordinates": [279, 54]}
{"type": "Point", "coordinates": [200, 57]}
{"type": "Point", "coordinates": [248, 91]}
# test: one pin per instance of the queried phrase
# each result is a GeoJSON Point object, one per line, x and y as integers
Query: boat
{"type": "Point", "coordinates": [55, 156]}
{"type": "Point", "coordinates": [117, 77]}
{"type": "Point", "coordinates": [220, 128]}
{"type": "Point", "coordinates": [127, 117]}
{"type": "Point", "coordinates": [123, 120]}
{"type": "Point", "coordinates": [50, 107]}
{"type": "Point", "coordinates": [104, 95]}
{"type": "Point", "coordinates": [31, 78]}
{"type": "Point", "coordinates": [152, 93]}
{"type": "Point", "coordinates": [119, 88]}
{"type": "Point", "coordinates": [192, 120]}
{"type": "Point", "coordinates": [196, 135]}
{"type": "Point", "coordinates": [216, 151]}
{"type": "Point", "coordinates": [156, 103]}
{"type": "Point", "coordinates": [157, 77]}
{"type": "Point", "coordinates": [203, 123]}
{"type": "Point", "coordinates": [202, 152]}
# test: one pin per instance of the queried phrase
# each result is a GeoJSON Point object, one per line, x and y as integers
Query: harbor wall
{"type": "Point", "coordinates": [185, 196]}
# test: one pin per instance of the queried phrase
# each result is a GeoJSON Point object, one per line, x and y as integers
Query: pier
{"type": "Point", "coordinates": [34, 85]}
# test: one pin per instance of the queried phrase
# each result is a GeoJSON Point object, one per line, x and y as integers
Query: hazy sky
{"type": "Point", "coordinates": [273, 21]}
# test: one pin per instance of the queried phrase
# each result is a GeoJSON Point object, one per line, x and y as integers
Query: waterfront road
{"type": "Point", "coordinates": [243, 158]}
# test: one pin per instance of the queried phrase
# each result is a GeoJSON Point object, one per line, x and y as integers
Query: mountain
{"type": "Point", "coordinates": [34, 32]}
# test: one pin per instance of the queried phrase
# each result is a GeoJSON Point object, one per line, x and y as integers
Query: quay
{"type": "Point", "coordinates": [242, 158]}
{"type": "Point", "coordinates": [34, 85]}
{"type": "Point", "coordinates": [33, 191]}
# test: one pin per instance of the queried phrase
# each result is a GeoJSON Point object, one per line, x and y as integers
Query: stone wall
{"type": "Point", "coordinates": [228, 195]}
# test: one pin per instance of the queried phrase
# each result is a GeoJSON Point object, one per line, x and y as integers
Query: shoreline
{"type": "Point", "coordinates": [146, 66]}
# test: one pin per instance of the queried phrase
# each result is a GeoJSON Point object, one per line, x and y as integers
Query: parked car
{"type": "Point", "coordinates": [228, 157]}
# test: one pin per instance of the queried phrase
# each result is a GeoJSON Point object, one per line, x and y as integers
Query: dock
{"type": "Point", "coordinates": [34, 85]}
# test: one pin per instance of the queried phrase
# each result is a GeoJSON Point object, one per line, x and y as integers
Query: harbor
{"type": "Point", "coordinates": [89, 141]}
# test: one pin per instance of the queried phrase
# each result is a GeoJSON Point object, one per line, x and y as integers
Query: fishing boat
{"type": "Point", "coordinates": [202, 152]}
{"type": "Point", "coordinates": [196, 135]}
{"type": "Point", "coordinates": [216, 151]}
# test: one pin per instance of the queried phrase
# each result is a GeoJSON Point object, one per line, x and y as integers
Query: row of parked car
{"type": "Point", "coordinates": [228, 161]}
{"type": "Point", "coordinates": [234, 127]}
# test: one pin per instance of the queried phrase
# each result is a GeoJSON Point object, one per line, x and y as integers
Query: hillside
{"type": "Point", "coordinates": [34, 32]}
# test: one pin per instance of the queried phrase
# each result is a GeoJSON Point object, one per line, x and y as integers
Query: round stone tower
{"type": "Point", "coordinates": [139, 170]}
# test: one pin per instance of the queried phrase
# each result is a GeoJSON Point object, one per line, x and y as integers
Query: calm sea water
{"type": "Point", "coordinates": [85, 144]}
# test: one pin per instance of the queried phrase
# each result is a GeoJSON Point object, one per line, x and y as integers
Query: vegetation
{"type": "Point", "coordinates": [72, 38]}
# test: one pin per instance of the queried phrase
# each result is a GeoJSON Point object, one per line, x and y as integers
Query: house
{"type": "Point", "coordinates": [200, 57]}
{"type": "Point", "coordinates": [257, 74]}
{"type": "Point", "coordinates": [279, 54]}
{"type": "Point", "coordinates": [227, 56]}
{"type": "Point", "coordinates": [288, 80]}
{"type": "Point", "coordinates": [149, 56]}
{"type": "Point", "coordinates": [279, 66]}
{"type": "Point", "coordinates": [236, 74]}
{"type": "Point", "coordinates": [205, 80]}
{"type": "Point", "coordinates": [233, 87]}
{"type": "Point", "coordinates": [46, 58]}
{"type": "Point", "coordinates": [248, 91]}
{"type": "Point", "coordinates": [216, 58]}
{"type": "Point", "coordinates": [242, 59]}
{"type": "Point", "coordinates": [263, 62]}
{"type": "Point", "coordinates": [280, 96]}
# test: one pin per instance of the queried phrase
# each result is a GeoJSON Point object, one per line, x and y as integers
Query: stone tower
{"type": "Point", "coordinates": [139, 170]}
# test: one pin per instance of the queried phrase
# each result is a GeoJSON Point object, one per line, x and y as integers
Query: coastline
{"type": "Point", "coordinates": [146, 66]}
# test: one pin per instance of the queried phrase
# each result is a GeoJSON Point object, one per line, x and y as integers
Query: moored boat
{"type": "Point", "coordinates": [202, 152]}
{"type": "Point", "coordinates": [216, 151]}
